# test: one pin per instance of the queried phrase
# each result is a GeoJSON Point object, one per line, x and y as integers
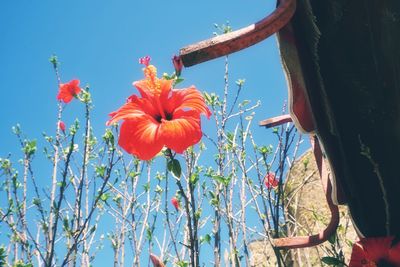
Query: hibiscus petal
{"type": "Point", "coordinates": [66, 97]}
{"type": "Point", "coordinates": [136, 107]}
{"type": "Point", "coordinates": [147, 90]}
{"type": "Point", "coordinates": [189, 98]}
{"type": "Point", "coordinates": [182, 131]}
{"type": "Point", "coordinates": [67, 91]}
{"type": "Point", "coordinates": [140, 136]}
{"type": "Point", "coordinates": [394, 254]}
{"type": "Point", "coordinates": [377, 248]}
{"type": "Point", "coordinates": [142, 87]}
{"type": "Point", "coordinates": [74, 87]}
{"type": "Point", "coordinates": [358, 256]}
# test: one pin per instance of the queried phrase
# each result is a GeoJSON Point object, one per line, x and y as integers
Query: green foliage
{"type": "Point", "coordinates": [74, 127]}
{"type": "Point", "coordinates": [240, 82]}
{"type": "Point", "coordinates": [108, 137]}
{"type": "Point", "coordinates": [194, 178]}
{"type": "Point", "coordinates": [265, 150]}
{"type": "Point", "coordinates": [205, 239]}
{"type": "Point", "coordinates": [332, 239]}
{"type": "Point", "coordinates": [182, 264]}
{"type": "Point", "coordinates": [213, 199]}
{"type": "Point", "coordinates": [29, 148]}
{"type": "Point", "coordinates": [86, 97]}
{"type": "Point", "coordinates": [149, 233]}
{"type": "Point", "coordinates": [54, 60]}
{"type": "Point", "coordinates": [100, 170]}
{"type": "Point", "coordinates": [177, 80]}
{"type": "Point", "coordinates": [105, 196]}
{"type": "Point", "coordinates": [3, 256]}
{"type": "Point", "coordinates": [158, 189]}
{"type": "Point", "coordinates": [174, 167]}
{"type": "Point", "coordinates": [22, 264]}
{"type": "Point", "coordinates": [222, 179]}
{"type": "Point", "coordinates": [146, 187]}
{"type": "Point", "coordinates": [16, 129]}
{"type": "Point", "coordinates": [5, 165]}
{"type": "Point", "coordinates": [211, 99]}
{"type": "Point", "coordinates": [331, 261]}
{"type": "Point", "coordinates": [222, 29]}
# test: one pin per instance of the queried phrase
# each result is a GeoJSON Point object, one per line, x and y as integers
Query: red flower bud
{"type": "Point", "coordinates": [270, 180]}
{"type": "Point", "coordinates": [156, 261]}
{"type": "Point", "coordinates": [61, 125]}
{"type": "Point", "coordinates": [178, 65]}
{"type": "Point", "coordinates": [175, 203]}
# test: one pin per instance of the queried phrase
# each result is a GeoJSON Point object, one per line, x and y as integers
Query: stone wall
{"type": "Point", "coordinates": [307, 213]}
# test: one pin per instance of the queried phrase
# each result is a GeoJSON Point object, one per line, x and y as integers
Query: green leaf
{"type": "Point", "coordinates": [54, 60]}
{"type": "Point", "coordinates": [36, 201]}
{"type": "Point", "coordinates": [92, 229]}
{"type": "Point", "coordinates": [108, 137]}
{"type": "Point", "coordinates": [22, 264]}
{"type": "Point", "coordinates": [178, 81]}
{"type": "Point", "coordinates": [197, 214]}
{"type": "Point", "coordinates": [266, 150]}
{"type": "Point", "coordinates": [3, 256]}
{"type": "Point", "coordinates": [240, 82]}
{"type": "Point", "coordinates": [205, 239]}
{"type": "Point", "coordinates": [221, 179]}
{"type": "Point", "coordinates": [194, 178]}
{"type": "Point", "coordinates": [61, 184]}
{"type": "Point", "coordinates": [100, 170]}
{"type": "Point", "coordinates": [104, 196]}
{"type": "Point", "coordinates": [159, 190]}
{"type": "Point", "coordinates": [182, 264]}
{"type": "Point", "coordinates": [332, 261]}
{"type": "Point", "coordinates": [332, 239]}
{"type": "Point", "coordinates": [146, 187]}
{"type": "Point", "coordinates": [174, 167]}
{"type": "Point", "coordinates": [149, 233]}
{"type": "Point", "coordinates": [29, 147]}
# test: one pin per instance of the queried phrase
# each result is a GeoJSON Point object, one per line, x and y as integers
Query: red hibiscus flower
{"type": "Point", "coordinates": [270, 180]}
{"type": "Point", "coordinates": [61, 125]}
{"type": "Point", "coordinates": [162, 116]}
{"type": "Point", "coordinates": [175, 203]}
{"type": "Point", "coordinates": [375, 252]}
{"type": "Point", "coordinates": [67, 91]}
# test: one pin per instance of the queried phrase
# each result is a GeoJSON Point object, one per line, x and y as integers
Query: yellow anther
{"type": "Point", "coordinates": [153, 83]}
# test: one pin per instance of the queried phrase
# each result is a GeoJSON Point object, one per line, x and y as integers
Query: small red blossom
{"type": "Point", "coordinates": [145, 60]}
{"type": "Point", "coordinates": [374, 252]}
{"type": "Point", "coordinates": [175, 203]}
{"type": "Point", "coordinates": [178, 65]}
{"type": "Point", "coordinates": [162, 116]}
{"type": "Point", "coordinates": [61, 125]}
{"type": "Point", "coordinates": [67, 91]}
{"type": "Point", "coordinates": [270, 180]}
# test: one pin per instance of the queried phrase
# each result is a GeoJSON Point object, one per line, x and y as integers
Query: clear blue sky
{"type": "Point", "coordinates": [99, 42]}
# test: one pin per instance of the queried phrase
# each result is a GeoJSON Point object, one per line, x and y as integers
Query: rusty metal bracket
{"type": "Point", "coordinates": [275, 121]}
{"type": "Point", "coordinates": [237, 40]}
{"type": "Point", "coordinates": [312, 240]}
